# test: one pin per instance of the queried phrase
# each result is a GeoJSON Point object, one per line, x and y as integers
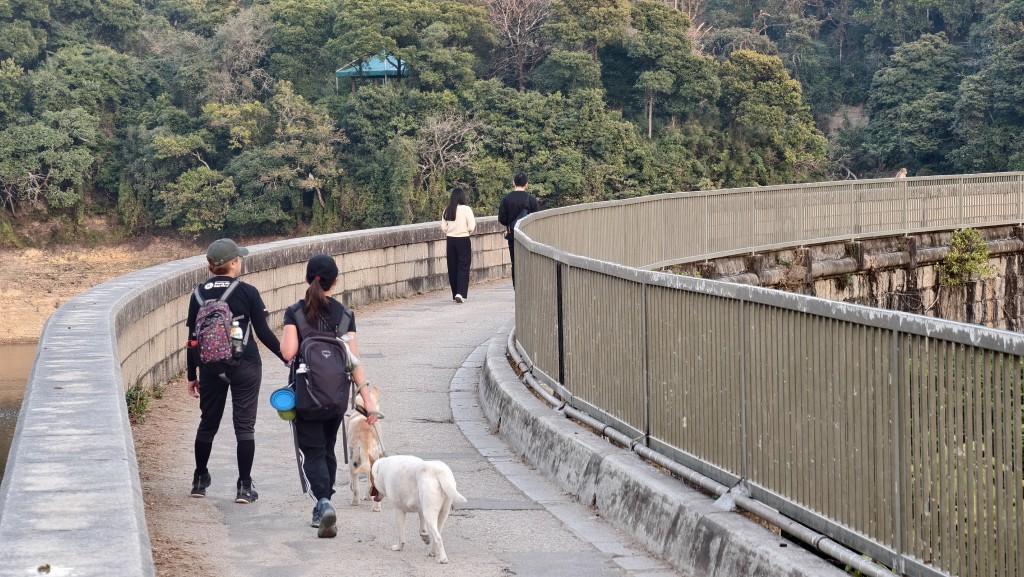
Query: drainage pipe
{"type": "Point", "coordinates": [810, 537]}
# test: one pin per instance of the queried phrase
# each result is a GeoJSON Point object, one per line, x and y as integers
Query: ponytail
{"type": "Point", "coordinates": [316, 301]}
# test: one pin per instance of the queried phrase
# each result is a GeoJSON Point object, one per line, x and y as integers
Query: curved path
{"type": "Point", "coordinates": [425, 354]}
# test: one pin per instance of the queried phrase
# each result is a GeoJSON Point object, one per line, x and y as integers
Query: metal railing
{"type": "Point", "coordinates": [897, 435]}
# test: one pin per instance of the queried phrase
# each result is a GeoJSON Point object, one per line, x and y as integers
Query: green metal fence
{"type": "Point", "coordinates": [897, 435]}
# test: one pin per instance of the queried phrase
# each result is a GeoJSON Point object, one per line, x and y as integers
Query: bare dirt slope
{"type": "Point", "coordinates": [34, 282]}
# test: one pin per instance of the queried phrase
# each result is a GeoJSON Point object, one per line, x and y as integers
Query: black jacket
{"type": "Point", "coordinates": [513, 203]}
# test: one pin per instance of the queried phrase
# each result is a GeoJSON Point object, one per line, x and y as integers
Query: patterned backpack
{"type": "Point", "coordinates": [213, 331]}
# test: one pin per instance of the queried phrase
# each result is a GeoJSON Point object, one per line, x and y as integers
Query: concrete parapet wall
{"type": "Point", "coordinates": [71, 497]}
{"type": "Point", "coordinates": [671, 520]}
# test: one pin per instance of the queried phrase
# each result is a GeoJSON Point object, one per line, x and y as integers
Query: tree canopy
{"type": "Point", "coordinates": [209, 117]}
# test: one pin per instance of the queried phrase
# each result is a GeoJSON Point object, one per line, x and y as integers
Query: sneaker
{"type": "Point", "coordinates": [328, 520]}
{"type": "Point", "coordinates": [459, 299]}
{"type": "Point", "coordinates": [199, 484]}
{"type": "Point", "coordinates": [316, 516]}
{"type": "Point", "coordinates": [246, 492]}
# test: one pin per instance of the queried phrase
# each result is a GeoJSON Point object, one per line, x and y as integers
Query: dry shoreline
{"type": "Point", "coordinates": [34, 282]}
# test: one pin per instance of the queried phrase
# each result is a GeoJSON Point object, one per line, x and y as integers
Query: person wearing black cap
{"type": "Point", "coordinates": [316, 439]}
{"type": "Point", "coordinates": [211, 383]}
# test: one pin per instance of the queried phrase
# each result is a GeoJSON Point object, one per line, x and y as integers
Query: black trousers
{"type": "Point", "coordinates": [244, 383]}
{"type": "Point", "coordinates": [460, 258]}
{"type": "Point", "coordinates": [512, 258]}
{"type": "Point", "coordinates": [316, 441]}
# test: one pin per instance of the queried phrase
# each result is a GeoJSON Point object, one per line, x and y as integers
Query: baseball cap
{"type": "Point", "coordinates": [224, 250]}
{"type": "Point", "coordinates": [322, 266]}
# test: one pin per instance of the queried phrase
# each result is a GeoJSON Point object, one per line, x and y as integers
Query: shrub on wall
{"type": "Point", "coordinates": [967, 259]}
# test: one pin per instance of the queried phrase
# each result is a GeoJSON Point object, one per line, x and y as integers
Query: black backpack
{"type": "Point", "coordinates": [321, 370]}
{"type": "Point", "coordinates": [508, 231]}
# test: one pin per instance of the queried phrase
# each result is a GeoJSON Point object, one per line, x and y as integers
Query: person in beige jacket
{"type": "Point", "coordinates": [458, 223]}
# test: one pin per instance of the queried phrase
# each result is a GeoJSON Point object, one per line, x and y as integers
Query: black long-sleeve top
{"type": "Point", "coordinates": [513, 203]}
{"type": "Point", "coordinates": [244, 300]}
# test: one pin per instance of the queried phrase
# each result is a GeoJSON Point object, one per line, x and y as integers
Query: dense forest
{"type": "Point", "coordinates": [214, 117]}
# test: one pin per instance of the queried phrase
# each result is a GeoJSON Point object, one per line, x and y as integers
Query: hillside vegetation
{"type": "Point", "coordinates": [209, 117]}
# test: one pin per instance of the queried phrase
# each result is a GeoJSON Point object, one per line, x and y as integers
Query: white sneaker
{"type": "Point", "coordinates": [459, 299]}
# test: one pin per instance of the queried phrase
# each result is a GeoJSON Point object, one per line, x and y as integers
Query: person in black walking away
{"type": "Point", "coordinates": [214, 380]}
{"type": "Point", "coordinates": [316, 437]}
{"type": "Point", "coordinates": [515, 205]}
{"type": "Point", "coordinates": [458, 224]}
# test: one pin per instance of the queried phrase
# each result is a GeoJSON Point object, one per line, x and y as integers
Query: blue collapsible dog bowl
{"type": "Point", "coordinates": [283, 400]}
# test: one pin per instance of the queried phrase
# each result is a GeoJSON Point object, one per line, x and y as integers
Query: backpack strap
{"type": "Point", "coordinates": [228, 291]}
{"type": "Point", "coordinates": [223, 297]}
{"type": "Point", "coordinates": [303, 326]}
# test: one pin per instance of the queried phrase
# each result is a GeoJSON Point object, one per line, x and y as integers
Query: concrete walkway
{"type": "Point", "coordinates": [425, 353]}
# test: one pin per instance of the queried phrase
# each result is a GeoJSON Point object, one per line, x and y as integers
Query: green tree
{"type": "Point", "coordinates": [912, 105]}
{"type": "Point", "coordinates": [301, 32]}
{"type": "Point", "coordinates": [439, 40]}
{"type": "Point", "coordinates": [667, 73]}
{"type": "Point", "coordinates": [44, 163]}
{"type": "Point", "coordinates": [770, 137]}
{"type": "Point", "coordinates": [13, 87]}
{"type": "Point", "coordinates": [306, 145]}
{"type": "Point", "coordinates": [261, 207]}
{"type": "Point", "coordinates": [387, 199]}
{"type": "Point", "coordinates": [247, 124]}
{"type": "Point", "coordinates": [110, 22]}
{"type": "Point", "coordinates": [566, 71]}
{"type": "Point", "coordinates": [23, 29]}
{"type": "Point", "coordinates": [587, 25]}
{"type": "Point", "coordinates": [989, 114]}
{"type": "Point", "coordinates": [197, 202]}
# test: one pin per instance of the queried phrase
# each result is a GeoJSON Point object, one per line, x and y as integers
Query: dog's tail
{"type": "Point", "coordinates": [448, 486]}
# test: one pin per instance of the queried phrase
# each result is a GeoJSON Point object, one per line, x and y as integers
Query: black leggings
{"type": "Point", "coordinates": [244, 384]}
{"type": "Point", "coordinates": [460, 258]}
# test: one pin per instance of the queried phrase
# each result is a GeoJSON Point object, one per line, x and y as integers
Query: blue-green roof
{"type": "Point", "coordinates": [375, 67]}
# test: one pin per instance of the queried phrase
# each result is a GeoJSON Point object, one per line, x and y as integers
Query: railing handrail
{"type": "Point", "coordinates": [579, 250]}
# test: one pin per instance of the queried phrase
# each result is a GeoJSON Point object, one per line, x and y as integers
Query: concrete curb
{"type": "Point", "coordinates": [677, 523]}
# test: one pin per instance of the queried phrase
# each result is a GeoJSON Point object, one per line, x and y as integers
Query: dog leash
{"type": "Point", "coordinates": [376, 431]}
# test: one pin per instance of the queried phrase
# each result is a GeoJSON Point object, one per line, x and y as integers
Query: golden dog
{"type": "Point", "coordinates": [364, 447]}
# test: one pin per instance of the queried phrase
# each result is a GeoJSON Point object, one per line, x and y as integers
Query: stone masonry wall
{"type": "Point", "coordinates": [896, 273]}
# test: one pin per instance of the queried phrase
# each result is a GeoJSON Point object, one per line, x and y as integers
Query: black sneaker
{"type": "Point", "coordinates": [246, 492]}
{"type": "Point", "coordinates": [199, 484]}
{"type": "Point", "coordinates": [328, 520]}
{"type": "Point", "coordinates": [316, 516]}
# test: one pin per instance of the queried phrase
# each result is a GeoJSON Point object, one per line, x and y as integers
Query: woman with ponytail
{"type": "Point", "coordinates": [316, 438]}
{"type": "Point", "coordinates": [458, 223]}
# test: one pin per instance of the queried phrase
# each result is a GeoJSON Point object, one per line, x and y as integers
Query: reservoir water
{"type": "Point", "coordinates": [15, 364]}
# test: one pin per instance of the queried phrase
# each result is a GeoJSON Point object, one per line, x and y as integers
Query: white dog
{"type": "Point", "coordinates": [364, 446]}
{"type": "Point", "coordinates": [413, 485]}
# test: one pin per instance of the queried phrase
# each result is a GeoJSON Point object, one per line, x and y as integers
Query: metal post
{"type": "Point", "coordinates": [906, 205]}
{"type": "Point", "coordinates": [960, 196]}
{"type": "Point", "coordinates": [753, 218]}
{"type": "Point", "coordinates": [895, 383]}
{"type": "Point", "coordinates": [561, 324]}
{"type": "Point", "coordinates": [646, 375]}
{"type": "Point", "coordinates": [744, 331]}
{"type": "Point", "coordinates": [707, 225]}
